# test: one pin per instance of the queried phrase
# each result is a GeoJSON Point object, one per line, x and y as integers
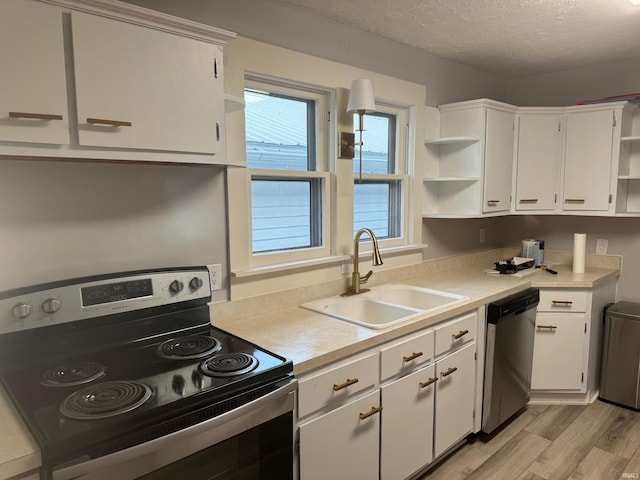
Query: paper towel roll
{"type": "Point", "coordinates": [579, 252]}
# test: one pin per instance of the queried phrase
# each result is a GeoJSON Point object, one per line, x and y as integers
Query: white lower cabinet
{"type": "Point", "coordinates": [341, 443]}
{"type": "Point", "coordinates": [558, 356]}
{"type": "Point", "coordinates": [419, 405]}
{"type": "Point", "coordinates": [455, 393]}
{"type": "Point", "coordinates": [568, 343]}
{"type": "Point", "coordinates": [406, 443]}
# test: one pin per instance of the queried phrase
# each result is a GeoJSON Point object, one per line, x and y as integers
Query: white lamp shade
{"type": "Point", "coordinates": [361, 96]}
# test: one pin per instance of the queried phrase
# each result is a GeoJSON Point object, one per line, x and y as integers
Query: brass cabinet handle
{"type": "Point", "coordinates": [113, 123]}
{"type": "Point", "coordinates": [428, 382]}
{"type": "Point", "coordinates": [413, 356]}
{"type": "Point", "coordinates": [350, 381]}
{"type": "Point", "coordinates": [492, 203]}
{"type": "Point", "coordinates": [373, 411]}
{"type": "Point", "coordinates": [561, 303]}
{"type": "Point", "coordinates": [37, 116]}
{"type": "Point", "coordinates": [574, 200]}
{"type": "Point", "coordinates": [528, 200]}
{"type": "Point", "coordinates": [448, 372]}
{"type": "Point", "coordinates": [460, 334]}
{"type": "Point", "coordinates": [547, 327]}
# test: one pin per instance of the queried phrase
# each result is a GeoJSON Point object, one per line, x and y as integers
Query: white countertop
{"type": "Point", "coordinates": [312, 340]}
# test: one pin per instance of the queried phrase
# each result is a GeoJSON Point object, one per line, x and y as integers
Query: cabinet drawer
{"type": "Point", "coordinates": [455, 333]}
{"type": "Point", "coordinates": [406, 356]}
{"type": "Point", "coordinates": [331, 387]}
{"type": "Point", "coordinates": [563, 300]}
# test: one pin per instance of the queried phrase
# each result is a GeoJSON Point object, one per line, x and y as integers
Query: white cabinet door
{"type": "Point", "coordinates": [558, 352]}
{"type": "Point", "coordinates": [455, 394]}
{"type": "Point", "coordinates": [498, 161]}
{"type": "Point", "coordinates": [341, 444]}
{"type": "Point", "coordinates": [33, 93]}
{"type": "Point", "coordinates": [538, 160]}
{"type": "Point", "coordinates": [407, 424]}
{"type": "Point", "coordinates": [148, 89]}
{"type": "Point", "coordinates": [588, 156]}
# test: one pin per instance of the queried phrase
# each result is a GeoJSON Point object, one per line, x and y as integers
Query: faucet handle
{"type": "Point", "coordinates": [366, 277]}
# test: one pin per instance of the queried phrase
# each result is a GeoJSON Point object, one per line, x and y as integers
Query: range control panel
{"type": "Point", "coordinates": [64, 302]}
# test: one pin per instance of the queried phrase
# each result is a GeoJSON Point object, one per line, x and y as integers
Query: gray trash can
{"type": "Point", "coordinates": [620, 378]}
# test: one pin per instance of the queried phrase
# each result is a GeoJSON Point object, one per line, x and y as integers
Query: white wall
{"type": "Point", "coordinates": [446, 81]}
{"type": "Point", "coordinates": [61, 220]}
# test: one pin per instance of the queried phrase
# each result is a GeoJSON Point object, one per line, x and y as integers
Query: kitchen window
{"type": "Point", "coordinates": [379, 196]}
{"type": "Point", "coordinates": [286, 160]}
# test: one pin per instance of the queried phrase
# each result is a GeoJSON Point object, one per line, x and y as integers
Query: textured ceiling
{"type": "Point", "coordinates": [504, 37]}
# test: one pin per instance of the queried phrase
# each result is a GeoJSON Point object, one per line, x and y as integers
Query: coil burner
{"type": "Point", "coordinates": [189, 347]}
{"type": "Point", "coordinates": [228, 364]}
{"type": "Point", "coordinates": [106, 399]}
{"type": "Point", "coordinates": [72, 374]}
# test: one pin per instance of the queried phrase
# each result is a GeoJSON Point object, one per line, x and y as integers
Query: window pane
{"type": "Point", "coordinates": [378, 140]}
{"type": "Point", "coordinates": [284, 214]}
{"type": "Point", "coordinates": [371, 203]}
{"type": "Point", "coordinates": [279, 131]}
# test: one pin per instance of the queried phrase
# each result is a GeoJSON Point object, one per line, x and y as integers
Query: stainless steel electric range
{"type": "Point", "coordinates": [123, 376]}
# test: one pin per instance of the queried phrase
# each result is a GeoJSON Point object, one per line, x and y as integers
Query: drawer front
{"type": "Point", "coordinates": [335, 386]}
{"type": "Point", "coordinates": [406, 356]}
{"type": "Point", "coordinates": [563, 300]}
{"type": "Point", "coordinates": [455, 333]}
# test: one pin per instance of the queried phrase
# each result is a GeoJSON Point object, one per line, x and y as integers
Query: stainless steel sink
{"type": "Point", "coordinates": [385, 305]}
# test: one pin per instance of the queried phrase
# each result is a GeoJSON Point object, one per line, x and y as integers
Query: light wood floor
{"type": "Point", "coordinates": [593, 442]}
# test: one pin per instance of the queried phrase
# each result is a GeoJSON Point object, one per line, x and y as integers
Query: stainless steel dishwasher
{"type": "Point", "coordinates": [508, 357]}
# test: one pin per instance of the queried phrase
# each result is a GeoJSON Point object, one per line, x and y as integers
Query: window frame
{"type": "Point", "coordinates": [401, 165]}
{"type": "Point", "coordinates": [321, 135]}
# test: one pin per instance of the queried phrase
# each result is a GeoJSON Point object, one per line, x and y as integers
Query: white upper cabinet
{"type": "Point", "coordinates": [109, 80]}
{"type": "Point", "coordinates": [498, 160]}
{"type": "Point", "coordinates": [145, 89]}
{"type": "Point", "coordinates": [468, 166]}
{"type": "Point", "coordinates": [33, 94]}
{"type": "Point", "coordinates": [538, 160]}
{"type": "Point", "coordinates": [588, 163]}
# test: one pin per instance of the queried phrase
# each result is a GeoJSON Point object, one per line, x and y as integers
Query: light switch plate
{"type": "Point", "coordinates": [602, 245]}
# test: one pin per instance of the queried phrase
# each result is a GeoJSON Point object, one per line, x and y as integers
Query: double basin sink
{"type": "Point", "coordinates": [385, 305]}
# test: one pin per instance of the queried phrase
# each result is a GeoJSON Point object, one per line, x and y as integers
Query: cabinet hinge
{"type": "Point", "coordinates": [615, 119]}
{"type": "Point", "coordinates": [610, 198]}
{"type": "Point", "coordinates": [585, 328]}
{"type": "Point", "coordinates": [475, 356]}
{"type": "Point", "coordinates": [555, 198]}
{"type": "Point", "coordinates": [215, 67]}
{"type": "Point", "coordinates": [329, 116]}
{"type": "Point", "coordinates": [559, 126]}
{"type": "Point", "coordinates": [217, 131]}
{"type": "Point", "coordinates": [582, 379]}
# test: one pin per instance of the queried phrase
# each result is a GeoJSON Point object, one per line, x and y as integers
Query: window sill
{"type": "Point", "coordinates": [324, 261]}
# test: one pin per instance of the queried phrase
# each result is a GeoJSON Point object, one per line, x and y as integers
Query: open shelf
{"type": "Point", "coordinates": [451, 179]}
{"type": "Point", "coordinates": [451, 140]}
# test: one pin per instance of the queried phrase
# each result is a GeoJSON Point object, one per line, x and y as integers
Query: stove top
{"type": "Point", "coordinates": [106, 382]}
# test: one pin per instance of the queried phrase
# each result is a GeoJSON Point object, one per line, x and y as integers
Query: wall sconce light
{"type": "Point", "coordinates": [360, 101]}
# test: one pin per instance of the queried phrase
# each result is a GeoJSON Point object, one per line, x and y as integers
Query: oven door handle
{"type": "Point", "coordinates": [159, 452]}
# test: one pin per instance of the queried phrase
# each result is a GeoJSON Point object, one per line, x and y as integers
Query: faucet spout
{"type": "Point", "coordinates": [356, 279]}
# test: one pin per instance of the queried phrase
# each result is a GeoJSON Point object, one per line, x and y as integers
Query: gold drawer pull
{"type": "Point", "coordinates": [113, 123]}
{"type": "Point", "coordinates": [547, 327]}
{"type": "Point", "coordinates": [373, 411]}
{"type": "Point", "coordinates": [448, 372]}
{"type": "Point", "coordinates": [345, 384]}
{"type": "Point", "coordinates": [528, 200]}
{"type": "Point", "coordinates": [37, 116]}
{"type": "Point", "coordinates": [493, 203]}
{"type": "Point", "coordinates": [413, 356]}
{"type": "Point", "coordinates": [574, 200]}
{"type": "Point", "coordinates": [428, 382]}
{"type": "Point", "coordinates": [562, 303]}
{"type": "Point", "coordinates": [460, 334]}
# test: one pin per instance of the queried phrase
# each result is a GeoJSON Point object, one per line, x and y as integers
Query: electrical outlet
{"type": "Point", "coordinates": [215, 276]}
{"type": "Point", "coordinates": [602, 245]}
{"type": "Point", "coordinates": [346, 267]}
